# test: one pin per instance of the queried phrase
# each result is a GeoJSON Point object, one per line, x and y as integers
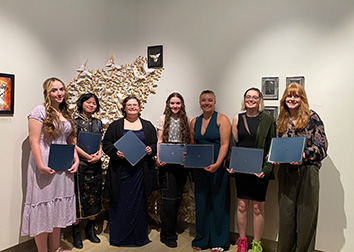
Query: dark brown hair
{"type": "Point", "coordinates": [126, 99]}
{"type": "Point", "coordinates": [84, 98]}
{"type": "Point", "coordinates": [183, 120]}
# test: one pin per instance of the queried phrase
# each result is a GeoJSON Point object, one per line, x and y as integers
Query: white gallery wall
{"type": "Point", "coordinates": [222, 45]}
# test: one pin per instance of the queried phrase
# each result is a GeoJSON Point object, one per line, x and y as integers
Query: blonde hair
{"type": "Point", "coordinates": [261, 100]}
{"type": "Point", "coordinates": [303, 114]}
{"type": "Point", "coordinates": [207, 92]}
{"type": "Point", "coordinates": [52, 123]}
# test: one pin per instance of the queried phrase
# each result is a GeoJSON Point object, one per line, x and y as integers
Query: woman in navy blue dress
{"type": "Point", "coordinates": [127, 187]}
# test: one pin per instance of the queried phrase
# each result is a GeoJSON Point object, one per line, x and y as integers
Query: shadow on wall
{"type": "Point", "coordinates": [26, 148]}
{"type": "Point", "coordinates": [332, 218]}
{"type": "Point", "coordinates": [271, 211]}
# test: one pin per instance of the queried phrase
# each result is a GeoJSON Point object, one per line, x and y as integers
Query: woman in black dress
{"type": "Point", "coordinates": [88, 180]}
{"type": "Point", "coordinates": [253, 128]}
{"type": "Point", "coordinates": [128, 187]}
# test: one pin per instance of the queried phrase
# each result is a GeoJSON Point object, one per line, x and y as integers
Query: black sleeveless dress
{"type": "Point", "coordinates": [249, 186]}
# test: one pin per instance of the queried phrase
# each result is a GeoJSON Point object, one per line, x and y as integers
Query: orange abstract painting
{"type": "Point", "coordinates": [6, 93]}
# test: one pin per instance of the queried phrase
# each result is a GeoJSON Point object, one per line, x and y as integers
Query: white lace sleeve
{"type": "Point", "coordinates": [160, 122]}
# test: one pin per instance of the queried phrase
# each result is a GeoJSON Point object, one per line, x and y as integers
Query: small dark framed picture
{"type": "Point", "coordinates": [270, 88]}
{"type": "Point", "coordinates": [155, 56]}
{"type": "Point", "coordinates": [272, 110]}
{"type": "Point", "coordinates": [295, 79]}
{"type": "Point", "coordinates": [7, 91]}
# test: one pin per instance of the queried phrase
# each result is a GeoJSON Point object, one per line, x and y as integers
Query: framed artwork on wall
{"type": "Point", "coordinates": [7, 90]}
{"type": "Point", "coordinates": [270, 88]}
{"type": "Point", "coordinates": [272, 110]}
{"type": "Point", "coordinates": [297, 79]}
{"type": "Point", "coordinates": [155, 56]}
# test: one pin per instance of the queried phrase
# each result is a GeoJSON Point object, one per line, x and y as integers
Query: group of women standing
{"type": "Point", "coordinates": [127, 187]}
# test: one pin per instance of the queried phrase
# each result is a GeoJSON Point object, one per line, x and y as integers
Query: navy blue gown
{"type": "Point", "coordinates": [128, 218]}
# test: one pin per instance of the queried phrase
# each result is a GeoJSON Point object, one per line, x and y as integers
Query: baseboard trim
{"type": "Point", "coordinates": [27, 246]}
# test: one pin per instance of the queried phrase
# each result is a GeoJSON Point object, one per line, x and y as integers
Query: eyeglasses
{"type": "Point", "coordinates": [132, 105]}
{"type": "Point", "coordinates": [248, 97]}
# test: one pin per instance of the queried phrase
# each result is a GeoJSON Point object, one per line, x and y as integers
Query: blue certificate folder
{"type": "Point", "coordinates": [199, 155]}
{"type": "Point", "coordinates": [286, 150]}
{"type": "Point", "coordinates": [132, 147]}
{"type": "Point", "coordinates": [89, 142]}
{"type": "Point", "coordinates": [61, 156]}
{"type": "Point", "coordinates": [246, 160]}
{"type": "Point", "coordinates": [171, 153]}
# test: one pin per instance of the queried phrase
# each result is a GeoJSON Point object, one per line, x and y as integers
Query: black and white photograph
{"type": "Point", "coordinates": [270, 88]}
{"type": "Point", "coordinates": [272, 110]}
{"type": "Point", "coordinates": [295, 79]}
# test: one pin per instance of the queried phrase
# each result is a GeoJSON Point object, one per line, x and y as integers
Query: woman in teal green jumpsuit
{"type": "Point", "coordinates": [212, 194]}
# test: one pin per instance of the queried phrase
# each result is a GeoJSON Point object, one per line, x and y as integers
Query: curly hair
{"type": "Point", "coordinates": [303, 115]}
{"type": "Point", "coordinates": [183, 120]}
{"type": "Point", "coordinates": [52, 124]}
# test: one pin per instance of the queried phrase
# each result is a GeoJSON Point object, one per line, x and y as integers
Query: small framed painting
{"type": "Point", "coordinates": [270, 88]}
{"type": "Point", "coordinates": [295, 79]}
{"type": "Point", "coordinates": [7, 90]}
{"type": "Point", "coordinates": [272, 110]}
{"type": "Point", "coordinates": [155, 56]}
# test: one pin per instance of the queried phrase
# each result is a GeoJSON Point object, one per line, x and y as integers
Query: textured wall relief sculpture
{"type": "Point", "coordinates": [111, 86]}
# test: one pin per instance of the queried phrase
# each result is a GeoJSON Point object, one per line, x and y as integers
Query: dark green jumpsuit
{"type": "Point", "coordinates": [212, 194]}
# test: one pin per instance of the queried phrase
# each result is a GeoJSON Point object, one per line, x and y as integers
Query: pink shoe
{"type": "Point", "coordinates": [242, 245]}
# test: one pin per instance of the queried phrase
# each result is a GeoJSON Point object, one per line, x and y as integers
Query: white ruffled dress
{"type": "Point", "coordinates": [50, 199]}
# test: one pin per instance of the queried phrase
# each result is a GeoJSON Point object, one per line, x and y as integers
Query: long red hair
{"type": "Point", "coordinates": [303, 115]}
